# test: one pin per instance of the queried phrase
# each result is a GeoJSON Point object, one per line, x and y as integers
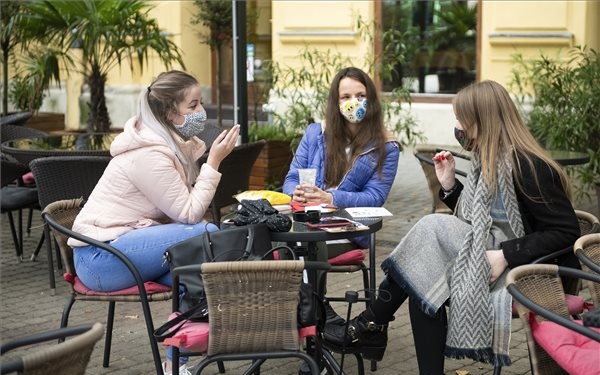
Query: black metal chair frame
{"type": "Point", "coordinates": [64, 177]}
{"type": "Point", "coordinates": [142, 297]}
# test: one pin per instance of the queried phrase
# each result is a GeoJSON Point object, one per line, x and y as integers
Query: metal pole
{"type": "Point", "coordinates": [240, 82]}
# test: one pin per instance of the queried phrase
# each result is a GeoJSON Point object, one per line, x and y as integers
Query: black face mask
{"type": "Point", "coordinates": [461, 137]}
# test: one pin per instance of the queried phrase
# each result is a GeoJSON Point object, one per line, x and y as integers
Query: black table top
{"type": "Point", "coordinates": [569, 157]}
{"type": "Point", "coordinates": [300, 232]}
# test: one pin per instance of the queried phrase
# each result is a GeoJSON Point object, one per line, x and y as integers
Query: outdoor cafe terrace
{"type": "Point", "coordinates": [26, 305]}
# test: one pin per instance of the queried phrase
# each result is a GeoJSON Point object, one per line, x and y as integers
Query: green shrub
{"type": "Point", "coordinates": [303, 89]}
{"type": "Point", "coordinates": [565, 106]}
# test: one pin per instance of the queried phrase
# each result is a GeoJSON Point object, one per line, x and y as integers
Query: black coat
{"type": "Point", "coordinates": [550, 225]}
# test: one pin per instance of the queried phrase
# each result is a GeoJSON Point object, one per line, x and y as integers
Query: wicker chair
{"type": "Point", "coordinates": [253, 311]}
{"type": "Point", "coordinates": [587, 250]}
{"type": "Point", "coordinates": [64, 177]}
{"type": "Point", "coordinates": [16, 197]}
{"type": "Point", "coordinates": [18, 118]}
{"type": "Point", "coordinates": [60, 216]}
{"type": "Point", "coordinates": [588, 223]}
{"type": "Point", "coordinates": [8, 132]}
{"type": "Point", "coordinates": [209, 134]}
{"type": "Point", "coordinates": [67, 358]}
{"type": "Point", "coordinates": [235, 176]}
{"type": "Point", "coordinates": [538, 288]}
{"type": "Point", "coordinates": [13, 169]}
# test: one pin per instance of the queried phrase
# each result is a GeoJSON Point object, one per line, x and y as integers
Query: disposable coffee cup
{"type": "Point", "coordinates": [307, 176]}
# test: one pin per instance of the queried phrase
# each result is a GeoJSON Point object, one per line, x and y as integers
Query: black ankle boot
{"type": "Point", "coordinates": [362, 334]}
{"type": "Point", "coordinates": [332, 317]}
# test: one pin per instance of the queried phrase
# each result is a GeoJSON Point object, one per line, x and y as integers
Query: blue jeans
{"type": "Point", "coordinates": [102, 271]}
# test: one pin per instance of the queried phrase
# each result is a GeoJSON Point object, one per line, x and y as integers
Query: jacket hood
{"type": "Point", "coordinates": [136, 135]}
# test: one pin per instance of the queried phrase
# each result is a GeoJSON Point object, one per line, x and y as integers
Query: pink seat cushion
{"type": "Point", "coordinates": [28, 178]}
{"type": "Point", "coordinates": [575, 305]}
{"type": "Point", "coordinates": [355, 256]}
{"type": "Point", "coordinates": [575, 353]}
{"type": "Point", "coordinates": [151, 288]}
{"type": "Point", "coordinates": [191, 336]}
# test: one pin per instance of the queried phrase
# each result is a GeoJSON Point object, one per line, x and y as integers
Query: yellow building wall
{"type": "Point", "coordinates": [124, 82]}
{"type": "Point", "coordinates": [532, 27]}
{"type": "Point", "coordinates": [319, 24]}
{"type": "Point", "coordinates": [173, 17]}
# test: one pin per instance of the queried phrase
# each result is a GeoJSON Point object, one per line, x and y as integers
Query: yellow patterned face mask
{"type": "Point", "coordinates": [354, 110]}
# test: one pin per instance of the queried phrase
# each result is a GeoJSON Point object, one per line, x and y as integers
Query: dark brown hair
{"type": "Point", "coordinates": [337, 135]}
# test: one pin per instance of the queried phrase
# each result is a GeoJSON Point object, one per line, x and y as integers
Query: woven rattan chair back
{"type": "Point", "coordinates": [588, 223]}
{"type": "Point", "coordinates": [18, 118]}
{"type": "Point", "coordinates": [9, 132]}
{"type": "Point", "coordinates": [209, 134]}
{"type": "Point", "coordinates": [542, 285]}
{"type": "Point", "coordinates": [587, 250]}
{"type": "Point", "coordinates": [252, 305]}
{"type": "Point", "coordinates": [235, 176]}
{"type": "Point", "coordinates": [70, 357]}
{"type": "Point", "coordinates": [67, 177]}
{"type": "Point", "coordinates": [65, 212]}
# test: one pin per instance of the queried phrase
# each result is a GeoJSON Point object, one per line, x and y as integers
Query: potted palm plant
{"type": "Point", "coordinates": [108, 32]}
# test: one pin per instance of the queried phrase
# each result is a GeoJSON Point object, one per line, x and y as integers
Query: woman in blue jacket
{"type": "Point", "coordinates": [355, 156]}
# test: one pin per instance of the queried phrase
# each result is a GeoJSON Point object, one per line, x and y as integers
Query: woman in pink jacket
{"type": "Point", "coordinates": [152, 193]}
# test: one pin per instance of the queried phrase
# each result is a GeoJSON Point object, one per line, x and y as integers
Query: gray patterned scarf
{"type": "Point", "coordinates": [479, 321]}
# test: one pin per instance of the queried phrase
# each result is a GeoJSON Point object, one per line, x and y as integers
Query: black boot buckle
{"type": "Point", "coordinates": [371, 326]}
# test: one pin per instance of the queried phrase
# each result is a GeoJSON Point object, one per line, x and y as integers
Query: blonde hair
{"type": "Point", "coordinates": [487, 107]}
{"type": "Point", "coordinates": [157, 102]}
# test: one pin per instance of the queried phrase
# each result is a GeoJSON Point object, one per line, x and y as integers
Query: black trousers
{"type": "Point", "coordinates": [429, 333]}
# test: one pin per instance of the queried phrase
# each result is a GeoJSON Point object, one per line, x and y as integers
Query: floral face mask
{"type": "Point", "coordinates": [193, 124]}
{"type": "Point", "coordinates": [354, 110]}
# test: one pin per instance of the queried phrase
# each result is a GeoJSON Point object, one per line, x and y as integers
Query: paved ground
{"type": "Point", "coordinates": [27, 306]}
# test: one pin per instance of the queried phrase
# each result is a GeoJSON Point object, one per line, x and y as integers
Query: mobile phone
{"type": "Point", "coordinates": [325, 223]}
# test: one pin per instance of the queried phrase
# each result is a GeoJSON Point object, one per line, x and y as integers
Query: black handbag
{"type": "Point", "coordinates": [235, 243]}
{"type": "Point", "coordinates": [252, 242]}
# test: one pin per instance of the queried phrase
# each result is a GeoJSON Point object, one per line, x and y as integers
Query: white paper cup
{"type": "Point", "coordinates": [307, 176]}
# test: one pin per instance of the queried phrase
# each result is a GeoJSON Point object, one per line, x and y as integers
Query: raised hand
{"type": "Point", "coordinates": [222, 146]}
{"type": "Point", "coordinates": [445, 166]}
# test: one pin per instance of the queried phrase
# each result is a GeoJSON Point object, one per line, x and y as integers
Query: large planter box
{"type": "Point", "coordinates": [50, 122]}
{"type": "Point", "coordinates": [271, 166]}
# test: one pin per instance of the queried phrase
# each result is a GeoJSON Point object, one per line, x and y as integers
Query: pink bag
{"type": "Point", "coordinates": [192, 336]}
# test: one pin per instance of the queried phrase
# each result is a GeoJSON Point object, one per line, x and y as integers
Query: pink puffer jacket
{"type": "Point", "coordinates": [144, 184]}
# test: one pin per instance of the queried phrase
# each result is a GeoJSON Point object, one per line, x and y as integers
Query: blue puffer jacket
{"type": "Point", "coordinates": [362, 186]}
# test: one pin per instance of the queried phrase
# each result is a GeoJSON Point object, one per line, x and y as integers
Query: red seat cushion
{"type": "Point", "coordinates": [191, 336]}
{"type": "Point", "coordinates": [576, 305]}
{"type": "Point", "coordinates": [356, 256]}
{"type": "Point", "coordinates": [151, 288]}
{"type": "Point", "coordinates": [575, 353]}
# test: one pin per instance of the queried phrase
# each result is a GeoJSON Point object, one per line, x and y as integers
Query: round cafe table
{"type": "Point", "coordinates": [300, 232]}
{"type": "Point", "coordinates": [90, 144]}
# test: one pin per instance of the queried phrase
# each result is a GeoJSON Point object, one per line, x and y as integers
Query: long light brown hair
{"type": "Point", "coordinates": [487, 107]}
{"type": "Point", "coordinates": [338, 136]}
{"type": "Point", "coordinates": [161, 99]}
